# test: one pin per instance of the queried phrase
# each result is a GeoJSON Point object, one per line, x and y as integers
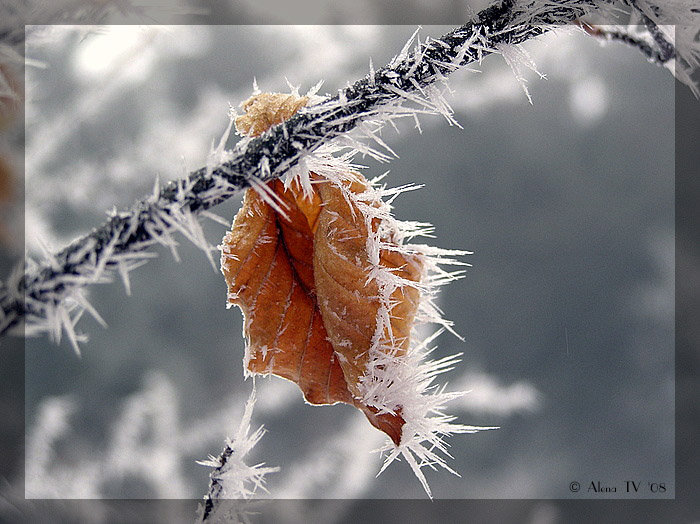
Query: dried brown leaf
{"type": "Point", "coordinates": [304, 282]}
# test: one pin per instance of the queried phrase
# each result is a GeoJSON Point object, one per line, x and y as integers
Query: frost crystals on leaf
{"type": "Point", "coordinates": [332, 293]}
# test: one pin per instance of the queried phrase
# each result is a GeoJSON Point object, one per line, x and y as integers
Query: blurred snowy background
{"type": "Point", "coordinates": [567, 312]}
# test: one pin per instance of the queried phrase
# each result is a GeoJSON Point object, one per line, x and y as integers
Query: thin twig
{"type": "Point", "coordinates": [215, 486]}
{"type": "Point", "coordinates": [232, 479]}
{"type": "Point", "coordinates": [659, 50]}
{"type": "Point", "coordinates": [623, 35]}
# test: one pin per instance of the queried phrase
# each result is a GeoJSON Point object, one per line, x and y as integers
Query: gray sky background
{"type": "Point", "coordinates": [567, 310]}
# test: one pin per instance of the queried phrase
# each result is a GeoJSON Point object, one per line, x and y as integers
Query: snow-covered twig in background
{"type": "Point", "coordinates": [147, 442]}
{"type": "Point", "coordinates": [48, 297]}
{"type": "Point", "coordinates": [150, 441]}
{"type": "Point", "coordinates": [18, 14]}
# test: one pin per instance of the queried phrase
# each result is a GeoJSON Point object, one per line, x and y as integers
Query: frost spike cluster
{"type": "Point", "coordinates": [231, 477]}
{"type": "Point", "coordinates": [395, 380]}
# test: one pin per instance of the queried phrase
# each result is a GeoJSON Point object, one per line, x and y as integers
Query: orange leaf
{"type": "Point", "coordinates": [314, 310]}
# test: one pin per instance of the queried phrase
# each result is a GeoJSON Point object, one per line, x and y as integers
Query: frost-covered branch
{"type": "Point", "coordinates": [652, 42]}
{"type": "Point", "coordinates": [659, 55]}
{"type": "Point", "coordinates": [671, 37]}
{"type": "Point", "coordinates": [48, 297]}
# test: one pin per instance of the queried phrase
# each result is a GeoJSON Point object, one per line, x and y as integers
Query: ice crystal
{"type": "Point", "coordinates": [232, 478]}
